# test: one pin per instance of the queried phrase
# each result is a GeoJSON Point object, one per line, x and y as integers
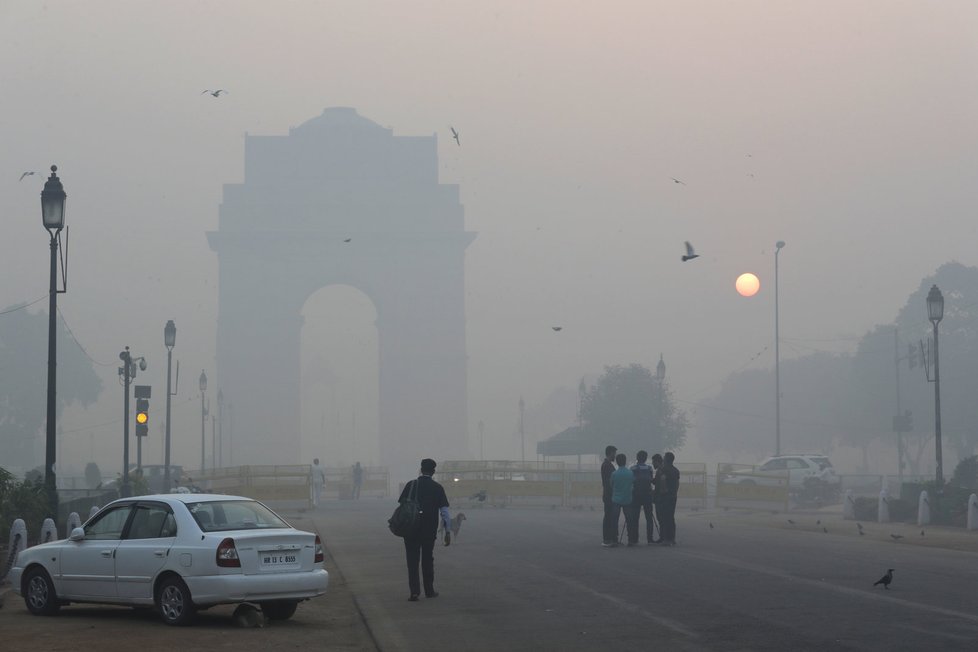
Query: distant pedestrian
{"type": "Point", "coordinates": [642, 475]}
{"type": "Point", "coordinates": [622, 485]}
{"type": "Point", "coordinates": [609, 527]}
{"type": "Point", "coordinates": [317, 477]}
{"type": "Point", "coordinates": [357, 480]}
{"type": "Point", "coordinates": [420, 547]}
{"type": "Point", "coordinates": [667, 493]}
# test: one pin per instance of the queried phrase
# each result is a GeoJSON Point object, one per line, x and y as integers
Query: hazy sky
{"type": "Point", "coordinates": [844, 128]}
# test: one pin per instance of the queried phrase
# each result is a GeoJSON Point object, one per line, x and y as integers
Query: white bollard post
{"type": "Point", "coordinates": [849, 506]}
{"type": "Point", "coordinates": [883, 512]}
{"type": "Point", "coordinates": [49, 531]}
{"type": "Point", "coordinates": [93, 511]}
{"type": "Point", "coordinates": [973, 512]}
{"type": "Point", "coordinates": [74, 520]}
{"type": "Point", "coordinates": [923, 509]}
{"type": "Point", "coordinates": [18, 541]}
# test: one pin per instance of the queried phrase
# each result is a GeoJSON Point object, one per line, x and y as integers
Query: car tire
{"type": "Point", "coordinates": [174, 603]}
{"type": "Point", "coordinates": [279, 609]}
{"type": "Point", "coordinates": [39, 594]}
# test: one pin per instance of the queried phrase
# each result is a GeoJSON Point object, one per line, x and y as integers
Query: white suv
{"type": "Point", "coordinates": [801, 471]}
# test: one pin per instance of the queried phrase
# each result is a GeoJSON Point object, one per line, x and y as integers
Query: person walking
{"type": "Point", "coordinates": [642, 475]}
{"type": "Point", "coordinates": [609, 527]}
{"type": "Point", "coordinates": [419, 549]}
{"type": "Point", "coordinates": [622, 485]}
{"type": "Point", "coordinates": [357, 480]}
{"type": "Point", "coordinates": [317, 477]}
{"type": "Point", "coordinates": [667, 490]}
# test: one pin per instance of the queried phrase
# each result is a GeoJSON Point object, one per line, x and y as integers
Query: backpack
{"type": "Point", "coordinates": [406, 519]}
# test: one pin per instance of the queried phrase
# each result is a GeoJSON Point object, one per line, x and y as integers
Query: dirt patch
{"type": "Point", "coordinates": [331, 622]}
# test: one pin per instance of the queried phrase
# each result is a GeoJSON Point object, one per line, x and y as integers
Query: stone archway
{"type": "Point", "coordinates": [340, 199]}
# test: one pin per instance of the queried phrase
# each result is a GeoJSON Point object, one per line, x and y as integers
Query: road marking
{"type": "Point", "coordinates": [860, 593]}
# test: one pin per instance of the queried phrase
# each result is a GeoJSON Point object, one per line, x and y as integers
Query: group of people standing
{"type": "Point", "coordinates": [646, 489]}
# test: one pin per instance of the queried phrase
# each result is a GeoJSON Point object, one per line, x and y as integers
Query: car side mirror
{"type": "Point", "coordinates": [78, 534]}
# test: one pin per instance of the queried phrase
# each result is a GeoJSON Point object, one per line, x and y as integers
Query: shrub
{"type": "Point", "coordinates": [867, 509]}
{"type": "Point", "coordinates": [26, 500]}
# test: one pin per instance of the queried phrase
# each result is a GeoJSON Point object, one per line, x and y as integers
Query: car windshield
{"type": "Point", "coordinates": [219, 515]}
{"type": "Point", "coordinates": [823, 463]}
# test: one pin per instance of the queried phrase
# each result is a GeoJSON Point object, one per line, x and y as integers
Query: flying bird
{"type": "Point", "coordinates": [455, 136]}
{"type": "Point", "coordinates": [348, 239]}
{"type": "Point", "coordinates": [216, 93]}
{"type": "Point", "coordinates": [690, 254]}
{"type": "Point", "coordinates": [557, 328]}
{"type": "Point", "coordinates": [26, 174]}
{"type": "Point", "coordinates": [896, 537]}
{"type": "Point", "coordinates": [886, 579]}
{"type": "Point", "coordinates": [675, 180]}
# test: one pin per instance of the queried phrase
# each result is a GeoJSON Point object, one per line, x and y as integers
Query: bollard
{"type": "Point", "coordinates": [973, 512]}
{"type": "Point", "coordinates": [74, 520]}
{"type": "Point", "coordinates": [18, 541]}
{"type": "Point", "coordinates": [883, 512]}
{"type": "Point", "coordinates": [923, 509]}
{"type": "Point", "coordinates": [49, 531]}
{"type": "Point", "coordinates": [93, 511]}
{"type": "Point", "coordinates": [849, 506]}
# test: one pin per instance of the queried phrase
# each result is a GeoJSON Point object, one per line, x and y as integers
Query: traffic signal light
{"type": "Point", "coordinates": [142, 417]}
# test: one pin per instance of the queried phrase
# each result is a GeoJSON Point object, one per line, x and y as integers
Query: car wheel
{"type": "Point", "coordinates": [174, 602]}
{"type": "Point", "coordinates": [39, 594]}
{"type": "Point", "coordinates": [279, 609]}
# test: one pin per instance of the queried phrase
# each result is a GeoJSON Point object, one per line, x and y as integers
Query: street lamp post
{"type": "Point", "coordinates": [777, 355]}
{"type": "Point", "coordinates": [220, 428]}
{"type": "Point", "coordinates": [53, 218]}
{"type": "Point", "coordinates": [127, 371]}
{"type": "Point", "coordinates": [203, 417]}
{"type": "Point", "coordinates": [169, 340]}
{"type": "Point", "coordinates": [522, 434]}
{"type": "Point", "coordinates": [935, 312]}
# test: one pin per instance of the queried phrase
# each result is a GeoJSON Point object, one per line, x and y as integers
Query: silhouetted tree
{"type": "Point", "coordinates": [631, 409]}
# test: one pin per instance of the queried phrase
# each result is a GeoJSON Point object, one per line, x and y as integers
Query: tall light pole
{"type": "Point", "coordinates": [169, 340]}
{"type": "Point", "coordinates": [220, 428]}
{"type": "Point", "coordinates": [777, 355]}
{"type": "Point", "coordinates": [127, 372]}
{"type": "Point", "coordinates": [522, 434]}
{"type": "Point", "coordinates": [482, 440]}
{"type": "Point", "coordinates": [203, 417]}
{"type": "Point", "coordinates": [935, 312]}
{"type": "Point", "coordinates": [53, 218]}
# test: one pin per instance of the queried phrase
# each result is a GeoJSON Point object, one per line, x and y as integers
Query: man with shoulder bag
{"type": "Point", "coordinates": [419, 542]}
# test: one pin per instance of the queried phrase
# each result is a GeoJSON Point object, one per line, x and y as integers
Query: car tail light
{"type": "Point", "coordinates": [227, 554]}
{"type": "Point", "coordinates": [320, 556]}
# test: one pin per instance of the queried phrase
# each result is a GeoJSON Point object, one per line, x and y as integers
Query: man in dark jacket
{"type": "Point", "coordinates": [642, 499]}
{"type": "Point", "coordinates": [609, 525]}
{"type": "Point", "coordinates": [666, 495]}
{"type": "Point", "coordinates": [420, 547]}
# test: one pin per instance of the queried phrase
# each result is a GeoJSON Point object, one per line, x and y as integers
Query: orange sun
{"type": "Point", "coordinates": [748, 284]}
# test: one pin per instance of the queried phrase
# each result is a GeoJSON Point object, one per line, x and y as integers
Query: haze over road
{"type": "Point", "coordinates": [539, 579]}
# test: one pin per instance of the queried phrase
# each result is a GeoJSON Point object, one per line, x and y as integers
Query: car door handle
{"type": "Point", "coordinates": [159, 553]}
{"type": "Point", "coordinates": [106, 553]}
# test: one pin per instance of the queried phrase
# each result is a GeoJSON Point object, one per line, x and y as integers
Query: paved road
{"type": "Point", "coordinates": [539, 579]}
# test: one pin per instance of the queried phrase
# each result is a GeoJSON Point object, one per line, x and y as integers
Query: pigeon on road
{"type": "Point", "coordinates": [690, 254]}
{"type": "Point", "coordinates": [886, 579]}
{"type": "Point", "coordinates": [896, 537]}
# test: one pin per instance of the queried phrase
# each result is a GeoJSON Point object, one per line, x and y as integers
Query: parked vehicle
{"type": "Point", "coordinates": [178, 553]}
{"type": "Point", "coordinates": [802, 472]}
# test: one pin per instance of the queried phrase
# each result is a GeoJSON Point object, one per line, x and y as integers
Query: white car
{"type": "Point", "coordinates": [177, 553]}
{"type": "Point", "coordinates": [798, 470]}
